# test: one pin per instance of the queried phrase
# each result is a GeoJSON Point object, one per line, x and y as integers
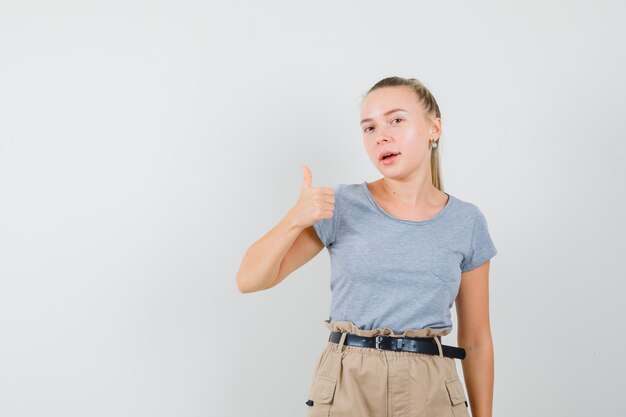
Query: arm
{"type": "Point", "coordinates": [291, 243]}
{"type": "Point", "coordinates": [474, 335]}
{"type": "Point", "coordinates": [282, 250]}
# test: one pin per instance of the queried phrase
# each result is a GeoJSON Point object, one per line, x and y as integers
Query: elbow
{"type": "Point", "coordinates": [252, 280]}
{"type": "Point", "coordinates": [478, 338]}
{"type": "Point", "coordinates": [241, 289]}
{"type": "Point", "coordinates": [245, 286]}
{"type": "Point", "coordinates": [242, 286]}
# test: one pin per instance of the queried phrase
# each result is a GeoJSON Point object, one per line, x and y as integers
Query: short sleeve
{"type": "Point", "coordinates": [482, 247]}
{"type": "Point", "coordinates": [327, 228]}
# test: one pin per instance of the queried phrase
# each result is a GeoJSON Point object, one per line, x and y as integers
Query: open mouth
{"type": "Point", "coordinates": [389, 158]}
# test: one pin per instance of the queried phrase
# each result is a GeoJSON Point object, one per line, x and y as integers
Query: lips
{"type": "Point", "coordinates": [385, 154]}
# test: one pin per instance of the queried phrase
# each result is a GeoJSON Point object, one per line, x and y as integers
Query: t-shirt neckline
{"type": "Point", "coordinates": [440, 214]}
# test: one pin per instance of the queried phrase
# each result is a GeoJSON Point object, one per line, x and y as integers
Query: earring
{"type": "Point", "coordinates": [434, 145]}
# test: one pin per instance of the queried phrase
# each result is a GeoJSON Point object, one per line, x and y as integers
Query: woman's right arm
{"type": "Point", "coordinates": [281, 251]}
{"type": "Point", "coordinates": [288, 245]}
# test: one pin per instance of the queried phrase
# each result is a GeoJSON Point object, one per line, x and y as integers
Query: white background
{"type": "Point", "coordinates": [144, 146]}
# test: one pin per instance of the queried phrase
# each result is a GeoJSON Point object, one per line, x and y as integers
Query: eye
{"type": "Point", "coordinates": [396, 119]}
{"type": "Point", "coordinates": [365, 130]}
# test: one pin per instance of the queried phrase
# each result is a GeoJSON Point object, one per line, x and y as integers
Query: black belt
{"type": "Point", "coordinates": [404, 344]}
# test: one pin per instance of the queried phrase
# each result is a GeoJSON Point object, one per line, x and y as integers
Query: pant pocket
{"type": "Point", "coordinates": [456, 393]}
{"type": "Point", "coordinates": [321, 394]}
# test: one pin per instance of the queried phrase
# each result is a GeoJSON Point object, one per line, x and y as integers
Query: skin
{"type": "Point", "coordinates": [406, 191]}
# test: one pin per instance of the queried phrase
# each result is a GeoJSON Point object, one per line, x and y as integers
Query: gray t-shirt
{"type": "Point", "coordinates": [395, 273]}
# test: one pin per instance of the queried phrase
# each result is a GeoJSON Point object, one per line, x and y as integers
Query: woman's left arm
{"type": "Point", "coordinates": [474, 335]}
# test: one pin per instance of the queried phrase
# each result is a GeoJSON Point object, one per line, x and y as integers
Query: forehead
{"type": "Point", "coordinates": [383, 99]}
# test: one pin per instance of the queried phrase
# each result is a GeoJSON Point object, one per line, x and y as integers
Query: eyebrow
{"type": "Point", "coordinates": [386, 113]}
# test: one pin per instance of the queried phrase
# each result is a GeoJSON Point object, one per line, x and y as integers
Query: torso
{"type": "Point", "coordinates": [414, 214]}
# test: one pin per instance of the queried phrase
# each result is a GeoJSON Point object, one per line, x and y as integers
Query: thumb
{"type": "Point", "coordinates": [308, 177]}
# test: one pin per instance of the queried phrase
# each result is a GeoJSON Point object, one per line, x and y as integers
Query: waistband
{"type": "Point", "coordinates": [350, 327]}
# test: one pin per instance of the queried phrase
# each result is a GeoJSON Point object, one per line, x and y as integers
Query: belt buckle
{"type": "Point", "coordinates": [378, 339]}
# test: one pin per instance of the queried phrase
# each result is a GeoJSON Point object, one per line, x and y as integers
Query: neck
{"type": "Point", "coordinates": [414, 193]}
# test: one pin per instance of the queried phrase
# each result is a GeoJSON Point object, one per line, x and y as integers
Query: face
{"type": "Point", "coordinates": [405, 131]}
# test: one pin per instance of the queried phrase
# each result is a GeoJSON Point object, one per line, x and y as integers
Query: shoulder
{"type": "Point", "coordinates": [466, 209]}
{"type": "Point", "coordinates": [347, 191]}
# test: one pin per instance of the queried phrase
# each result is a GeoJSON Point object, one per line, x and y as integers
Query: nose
{"type": "Point", "coordinates": [383, 135]}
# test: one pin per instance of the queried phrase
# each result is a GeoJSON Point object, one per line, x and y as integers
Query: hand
{"type": "Point", "coordinates": [315, 203]}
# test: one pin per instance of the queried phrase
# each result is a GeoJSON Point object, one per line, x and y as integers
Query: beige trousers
{"type": "Point", "coordinates": [354, 381]}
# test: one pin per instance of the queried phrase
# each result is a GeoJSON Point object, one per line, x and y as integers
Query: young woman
{"type": "Point", "coordinates": [402, 252]}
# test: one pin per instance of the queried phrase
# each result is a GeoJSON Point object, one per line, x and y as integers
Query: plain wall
{"type": "Point", "coordinates": [144, 146]}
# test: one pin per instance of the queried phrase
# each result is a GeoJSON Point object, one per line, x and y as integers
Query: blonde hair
{"type": "Point", "coordinates": [432, 111]}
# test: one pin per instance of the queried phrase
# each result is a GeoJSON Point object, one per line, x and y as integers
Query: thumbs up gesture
{"type": "Point", "coordinates": [314, 203]}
